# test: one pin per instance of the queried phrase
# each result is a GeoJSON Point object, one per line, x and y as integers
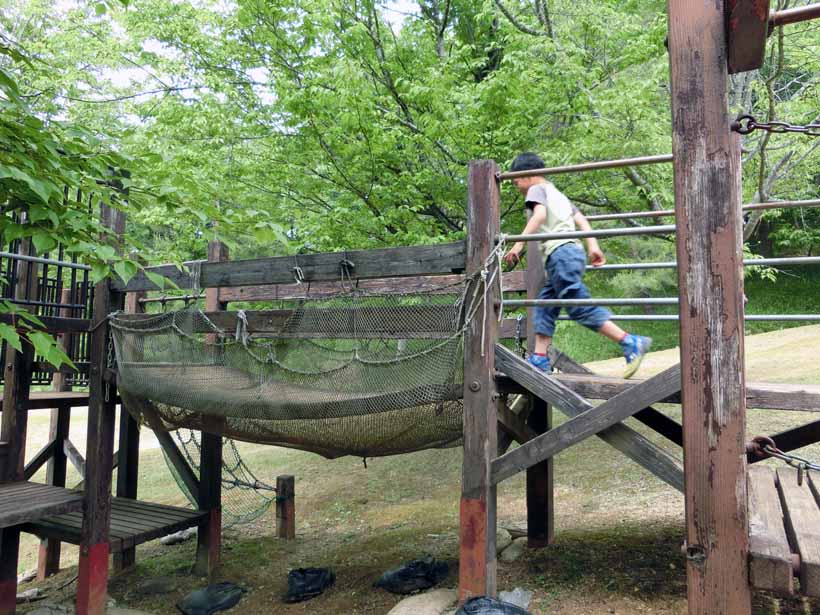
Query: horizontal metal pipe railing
{"type": "Point", "coordinates": [667, 213]}
{"type": "Point", "coordinates": [170, 298]}
{"type": "Point", "coordinates": [590, 302]}
{"type": "Point", "coordinates": [749, 262]}
{"type": "Point", "coordinates": [589, 166]}
{"type": "Point", "coordinates": [664, 229]}
{"type": "Point", "coordinates": [748, 317]}
{"type": "Point", "coordinates": [795, 15]}
{"type": "Point", "coordinates": [44, 261]}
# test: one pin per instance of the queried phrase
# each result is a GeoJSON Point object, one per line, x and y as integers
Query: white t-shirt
{"type": "Point", "coordinates": [560, 212]}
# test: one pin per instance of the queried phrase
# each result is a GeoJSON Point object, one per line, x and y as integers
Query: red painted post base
{"type": "Point", "coordinates": [477, 564]}
{"type": "Point", "coordinates": [92, 582]}
{"type": "Point", "coordinates": [9, 551]}
{"type": "Point", "coordinates": [8, 597]}
{"type": "Point", "coordinates": [209, 545]}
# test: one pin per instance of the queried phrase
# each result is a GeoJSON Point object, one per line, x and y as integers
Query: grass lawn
{"type": "Point", "coordinates": [618, 529]}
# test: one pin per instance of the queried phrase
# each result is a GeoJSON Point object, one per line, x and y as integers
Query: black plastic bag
{"type": "Point", "coordinates": [211, 599]}
{"type": "Point", "coordinates": [489, 606]}
{"type": "Point", "coordinates": [413, 576]}
{"type": "Point", "coordinates": [307, 583]}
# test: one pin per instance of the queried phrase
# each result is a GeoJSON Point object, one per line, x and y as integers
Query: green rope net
{"type": "Point", "coordinates": [356, 374]}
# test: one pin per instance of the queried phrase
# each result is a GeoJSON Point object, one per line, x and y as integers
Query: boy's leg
{"type": "Point", "coordinates": [544, 328]}
{"type": "Point", "coordinates": [567, 276]}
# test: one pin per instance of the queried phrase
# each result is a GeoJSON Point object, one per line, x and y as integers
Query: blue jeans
{"type": "Point", "coordinates": [565, 270]}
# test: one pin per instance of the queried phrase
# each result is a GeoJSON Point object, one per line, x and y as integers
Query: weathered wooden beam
{"type": "Point", "coordinates": [48, 561]}
{"type": "Point", "coordinates": [710, 285]}
{"type": "Point", "coordinates": [586, 424]}
{"type": "Point", "coordinates": [94, 548]}
{"type": "Point", "coordinates": [209, 536]}
{"type": "Point", "coordinates": [540, 487]}
{"type": "Point", "coordinates": [761, 395]}
{"type": "Point", "coordinates": [39, 460]}
{"type": "Point", "coordinates": [477, 557]}
{"type": "Point", "coordinates": [74, 456]}
{"type": "Point", "coordinates": [625, 439]}
{"type": "Point", "coordinates": [770, 558]}
{"type": "Point", "coordinates": [650, 417]}
{"type": "Point", "coordinates": [511, 423]}
{"type": "Point", "coordinates": [445, 258]}
{"type": "Point", "coordinates": [52, 324]}
{"type": "Point", "coordinates": [286, 507]}
{"type": "Point", "coordinates": [747, 24]}
{"type": "Point", "coordinates": [513, 282]}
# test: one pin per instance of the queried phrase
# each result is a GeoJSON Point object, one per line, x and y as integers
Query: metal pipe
{"type": "Point", "coordinates": [590, 302]}
{"type": "Point", "coordinates": [45, 261]}
{"type": "Point", "coordinates": [666, 213]}
{"type": "Point", "coordinates": [169, 298]}
{"type": "Point", "coordinates": [36, 303]}
{"type": "Point", "coordinates": [588, 166]}
{"type": "Point", "coordinates": [808, 204]}
{"type": "Point", "coordinates": [665, 229]}
{"type": "Point", "coordinates": [795, 15]}
{"type": "Point", "coordinates": [749, 262]}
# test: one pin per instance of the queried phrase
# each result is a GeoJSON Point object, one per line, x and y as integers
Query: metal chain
{"type": "Point", "coordinates": [801, 463]}
{"type": "Point", "coordinates": [746, 124]}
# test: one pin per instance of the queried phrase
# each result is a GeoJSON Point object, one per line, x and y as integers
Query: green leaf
{"type": "Point", "coordinates": [43, 242]}
{"type": "Point", "coordinates": [47, 347]}
{"type": "Point", "coordinates": [126, 270]}
{"type": "Point", "coordinates": [10, 335]}
{"type": "Point", "coordinates": [160, 281]}
{"type": "Point", "coordinates": [99, 271]}
{"type": "Point", "coordinates": [100, 8]}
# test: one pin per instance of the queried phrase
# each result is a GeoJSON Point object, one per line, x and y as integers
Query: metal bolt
{"type": "Point", "coordinates": [475, 386]}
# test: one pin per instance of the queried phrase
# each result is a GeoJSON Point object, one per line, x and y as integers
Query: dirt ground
{"type": "Point", "coordinates": [618, 529]}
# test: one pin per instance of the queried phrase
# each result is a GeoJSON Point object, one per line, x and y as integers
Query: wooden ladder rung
{"type": "Point", "coordinates": [802, 521]}
{"type": "Point", "coordinates": [770, 558]}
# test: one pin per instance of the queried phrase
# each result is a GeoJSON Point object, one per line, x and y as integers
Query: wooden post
{"type": "Point", "coordinates": [92, 581]}
{"type": "Point", "coordinates": [285, 507]}
{"type": "Point", "coordinates": [17, 384]}
{"type": "Point", "coordinates": [709, 234]}
{"type": "Point", "coordinates": [209, 537]}
{"type": "Point", "coordinates": [48, 562]}
{"type": "Point", "coordinates": [128, 452]}
{"type": "Point", "coordinates": [540, 501]}
{"type": "Point", "coordinates": [477, 567]}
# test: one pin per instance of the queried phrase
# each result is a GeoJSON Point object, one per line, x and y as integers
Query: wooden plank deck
{"type": "Point", "coordinates": [802, 519]}
{"type": "Point", "coordinates": [22, 502]}
{"type": "Point", "coordinates": [133, 522]}
{"type": "Point", "coordinates": [770, 561]}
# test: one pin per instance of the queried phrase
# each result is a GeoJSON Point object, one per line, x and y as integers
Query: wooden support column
{"type": "Point", "coordinates": [48, 562]}
{"type": "Point", "coordinates": [540, 501]}
{"type": "Point", "coordinates": [129, 451]}
{"type": "Point", "coordinates": [710, 275]}
{"type": "Point", "coordinates": [209, 537]}
{"type": "Point", "coordinates": [285, 507]}
{"type": "Point", "coordinates": [477, 567]}
{"type": "Point", "coordinates": [17, 384]}
{"type": "Point", "coordinates": [93, 570]}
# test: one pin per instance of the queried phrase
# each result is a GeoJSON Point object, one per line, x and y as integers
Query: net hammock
{"type": "Point", "coordinates": [362, 374]}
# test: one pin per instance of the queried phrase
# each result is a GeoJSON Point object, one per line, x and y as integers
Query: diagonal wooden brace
{"type": "Point", "coordinates": [635, 446]}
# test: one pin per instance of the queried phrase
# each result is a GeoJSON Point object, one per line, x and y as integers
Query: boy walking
{"type": "Point", "coordinates": [565, 263]}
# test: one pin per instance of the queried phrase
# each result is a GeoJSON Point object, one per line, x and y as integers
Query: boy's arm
{"type": "Point", "coordinates": [596, 255]}
{"type": "Point", "coordinates": [538, 217]}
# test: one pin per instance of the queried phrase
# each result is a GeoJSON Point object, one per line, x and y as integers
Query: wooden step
{"type": "Point", "coordinates": [23, 502]}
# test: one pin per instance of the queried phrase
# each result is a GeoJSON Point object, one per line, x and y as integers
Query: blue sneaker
{"type": "Point", "coordinates": [634, 347]}
{"type": "Point", "coordinates": [540, 362]}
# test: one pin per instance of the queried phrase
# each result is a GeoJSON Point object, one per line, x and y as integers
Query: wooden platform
{"type": "Point", "coordinates": [22, 502]}
{"type": "Point", "coordinates": [784, 529]}
{"type": "Point", "coordinates": [133, 522]}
